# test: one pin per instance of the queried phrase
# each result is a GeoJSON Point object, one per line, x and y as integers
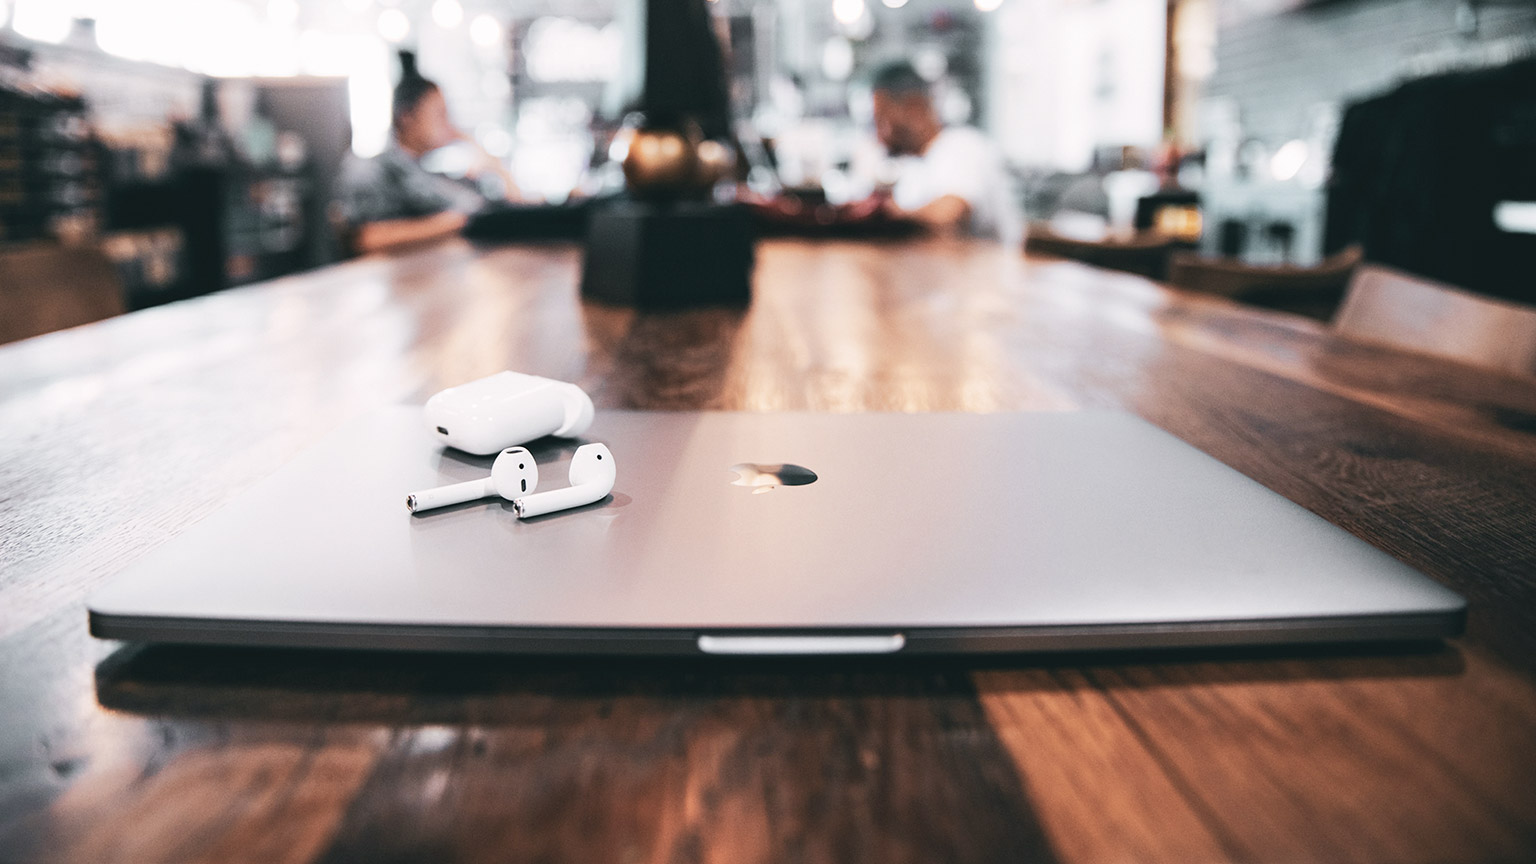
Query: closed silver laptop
{"type": "Point", "coordinates": [739, 533]}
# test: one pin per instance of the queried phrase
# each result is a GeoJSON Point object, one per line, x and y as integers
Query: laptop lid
{"type": "Point", "coordinates": [919, 533]}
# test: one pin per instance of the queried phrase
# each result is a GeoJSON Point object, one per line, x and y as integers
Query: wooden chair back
{"type": "Point", "coordinates": [45, 286]}
{"type": "Point", "coordinates": [1144, 254]}
{"type": "Point", "coordinates": [1417, 314]}
{"type": "Point", "coordinates": [1312, 291]}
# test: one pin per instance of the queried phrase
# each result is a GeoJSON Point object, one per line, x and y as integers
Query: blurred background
{"type": "Point", "coordinates": [154, 150]}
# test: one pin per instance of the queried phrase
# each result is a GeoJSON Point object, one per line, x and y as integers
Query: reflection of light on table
{"type": "Point", "coordinates": [1516, 217]}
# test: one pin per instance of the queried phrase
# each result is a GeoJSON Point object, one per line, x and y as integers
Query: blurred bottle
{"type": "Point", "coordinates": [202, 142]}
{"type": "Point", "coordinates": [203, 160]}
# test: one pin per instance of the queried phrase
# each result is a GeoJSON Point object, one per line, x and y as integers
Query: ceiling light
{"type": "Point", "coordinates": [485, 31]}
{"type": "Point", "coordinates": [837, 59]}
{"type": "Point", "coordinates": [394, 26]}
{"type": "Point", "coordinates": [847, 11]}
{"type": "Point", "coordinates": [1287, 161]}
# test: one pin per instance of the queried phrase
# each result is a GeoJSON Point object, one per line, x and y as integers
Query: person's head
{"type": "Point", "coordinates": [905, 119]}
{"type": "Point", "coordinates": [420, 115]}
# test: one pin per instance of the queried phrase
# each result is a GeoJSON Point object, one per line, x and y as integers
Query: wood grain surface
{"type": "Point", "coordinates": [117, 435]}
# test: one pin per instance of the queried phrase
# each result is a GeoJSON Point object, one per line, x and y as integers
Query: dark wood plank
{"type": "Point", "coordinates": [1103, 794]}
{"type": "Point", "coordinates": [114, 437]}
{"type": "Point", "coordinates": [1330, 757]}
{"type": "Point", "coordinates": [362, 757]}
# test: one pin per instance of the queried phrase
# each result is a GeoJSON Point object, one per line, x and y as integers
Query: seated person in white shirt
{"type": "Point", "coordinates": [950, 179]}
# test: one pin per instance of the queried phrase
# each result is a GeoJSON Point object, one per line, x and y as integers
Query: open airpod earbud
{"type": "Point", "coordinates": [592, 476]}
{"type": "Point", "coordinates": [513, 475]}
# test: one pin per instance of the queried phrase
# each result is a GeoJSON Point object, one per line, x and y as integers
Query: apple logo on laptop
{"type": "Point", "coordinates": [763, 478]}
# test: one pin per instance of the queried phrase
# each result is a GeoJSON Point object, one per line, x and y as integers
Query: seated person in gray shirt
{"type": "Point", "coordinates": [391, 200]}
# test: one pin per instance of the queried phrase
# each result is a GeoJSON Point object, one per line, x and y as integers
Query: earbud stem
{"type": "Point", "coordinates": [559, 499]}
{"type": "Point", "coordinates": [443, 496]}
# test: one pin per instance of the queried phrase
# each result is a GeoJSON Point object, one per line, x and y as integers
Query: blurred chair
{"type": "Point", "coordinates": [1232, 237]}
{"type": "Point", "coordinates": [46, 287]}
{"type": "Point", "coordinates": [1144, 254]}
{"type": "Point", "coordinates": [1416, 314]}
{"type": "Point", "coordinates": [1311, 291]}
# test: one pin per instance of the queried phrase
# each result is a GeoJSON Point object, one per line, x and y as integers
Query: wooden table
{"type": "Point", "coordinates": [115, 436]}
